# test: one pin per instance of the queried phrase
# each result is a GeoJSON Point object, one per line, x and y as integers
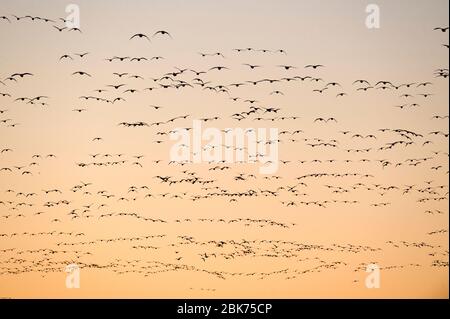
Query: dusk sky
{"type": "Point", "coordinates": [362, 120]}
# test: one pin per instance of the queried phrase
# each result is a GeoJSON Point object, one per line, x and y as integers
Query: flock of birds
{"type": "Point", "coordinates": [363, 153]}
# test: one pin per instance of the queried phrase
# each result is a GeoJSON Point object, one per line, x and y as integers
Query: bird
{"type": "Point", "coordinates": [314, 66]}
{"type": "Point", "coordinates": [5, 18]}
{"type": "Point", "coordinates": [252, 66]}
{"type": "Point", "coordinates": [82, 73]}
{"type": "Point", "coordinates": [162, 32]}
{"type": "Point", "coordinates": [442, 29]}
{"type": "Point", "coordinates": [82, 55]}
{"type": "Point", "coordinates": [65, 56]}
{"type": "Point", "coordinates": [218, 68]}
{"type": "Point", "coordinates": [287, 67]}
{"type": "Point", "coordinates": [60, 29]}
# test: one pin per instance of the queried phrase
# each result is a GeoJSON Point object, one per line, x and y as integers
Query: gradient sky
{"type": "Point", "coordinates": [405, 49]}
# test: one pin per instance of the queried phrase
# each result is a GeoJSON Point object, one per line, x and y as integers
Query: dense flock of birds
{"type": "Point", "coordinates": [363, 153]}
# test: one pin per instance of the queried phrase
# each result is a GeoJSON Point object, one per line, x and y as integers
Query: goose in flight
{"type": "Point", "coordinates": [162, 32]}
{"type": "Point", "coordinates": [82, 73]}
{"type": "Point", "coordinates": [441, 29]}
{"type": "Point", "coordinates": [140, 36]}
{"type": "Point", "coordinates": [287, 67]}
{"type": "Point", "coordinates": [314, 66]}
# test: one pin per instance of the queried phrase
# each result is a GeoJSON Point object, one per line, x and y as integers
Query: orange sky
{"type": "Point", "coordinates": [321, 252]}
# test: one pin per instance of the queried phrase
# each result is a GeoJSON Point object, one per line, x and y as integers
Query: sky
{"type": "Point", "coordinates": [337, 203]}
